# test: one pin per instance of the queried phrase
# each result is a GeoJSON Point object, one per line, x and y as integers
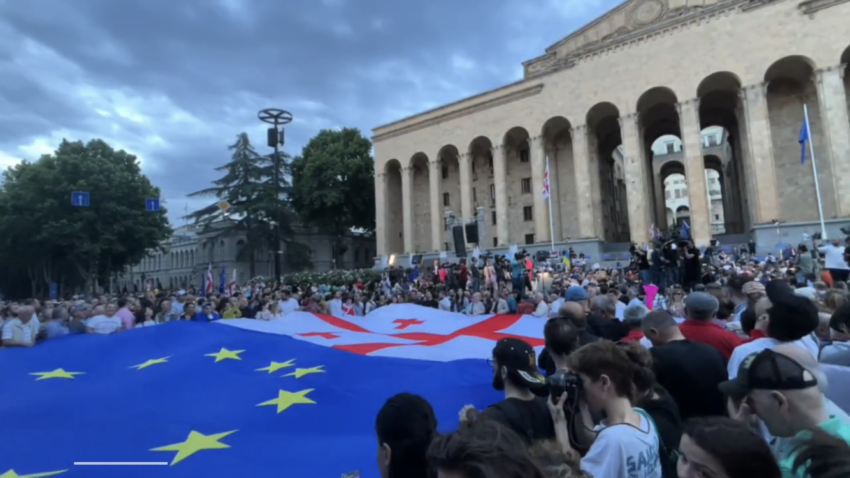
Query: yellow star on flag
{"type": "Point", "coordinates": [300, 372]}
{"type": "Point", "coordinates": [275, 366]}
{"type": "Point", "coordinates": [286, 399]}
{"type": "Point", "coordinates": [225, 354]}
{"type": "Point", "coordinates": [195, 443]}
{"type": "Point", "coordinates": [58, 373]}
{"type": "Point", "coordinates": [151, 362]}
{"type": "Point", "coordinates": [12, 474]}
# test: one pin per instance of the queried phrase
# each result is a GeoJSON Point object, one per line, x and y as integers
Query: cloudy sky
{"type": "Point", "coordinates": [173, 81]}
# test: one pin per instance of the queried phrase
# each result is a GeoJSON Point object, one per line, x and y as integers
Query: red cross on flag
{"type": "Point", "coordinates": [404, 331]}
{"type": "Point", "coordinates": [546, 180]}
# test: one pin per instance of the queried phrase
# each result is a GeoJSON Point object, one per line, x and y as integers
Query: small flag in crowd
{"type": "Point", "coordinates": [209, 288]}
{"type": "Point", "coordinates": [231, 288]}
{"type": "Point", "coordinates": [546, 180]}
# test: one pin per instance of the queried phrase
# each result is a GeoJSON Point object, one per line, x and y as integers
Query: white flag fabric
{"type": "Point", "coordinates": [404, 331]}
{"type": "Point", "coordinates": [546, 180]}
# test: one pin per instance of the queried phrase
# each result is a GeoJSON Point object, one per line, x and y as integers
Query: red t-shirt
{"type": "Point", "coordinates": [708, 333]}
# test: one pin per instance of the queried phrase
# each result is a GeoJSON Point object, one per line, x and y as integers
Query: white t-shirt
{"type": "Point", "coordinates": [624, 451]}
{"type": "Point", "coordinates": [29, 332]}
{"type": "Point", "coordinates": [833, 257]}
{"type": "Point", "coordinates": [621, 308]}
{"type": "Point", "coordinates": [743, 351]}
{"type": "Point", "coordinates": [288, 306]}
{"type": "Point", "coordinates": [335, 307]}
{"type": "Point", "coordinates": [105, 325]}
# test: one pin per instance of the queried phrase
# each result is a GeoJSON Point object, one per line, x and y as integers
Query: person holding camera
{"type": "Point", "coordinates": [626, 441]}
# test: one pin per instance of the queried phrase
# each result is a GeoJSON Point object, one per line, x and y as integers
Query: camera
{"type": "Point", "coordinates": [563, 381]}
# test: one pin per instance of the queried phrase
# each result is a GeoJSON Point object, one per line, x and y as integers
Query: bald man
{"type": "Point", "coordinates": [782, 386]}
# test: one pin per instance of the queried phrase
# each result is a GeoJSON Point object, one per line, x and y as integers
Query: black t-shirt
{"type": "Point", "coordinates": [429, 303]}
{"type": "Point", "coordinates": [643, 261]}
{"type": "Point", "coordinates": [665, 413]}
{"type": "Point", "coordinates": [528, 418]}
{"type": "Point", "coordinates": [691, 371]}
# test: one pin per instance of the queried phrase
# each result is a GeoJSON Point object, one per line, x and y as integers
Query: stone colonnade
{"type": "Point", "coordinates": [753, 146]}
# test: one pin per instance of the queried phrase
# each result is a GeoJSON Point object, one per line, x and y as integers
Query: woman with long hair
{"type": "Point", "coordinates": [721, 447]}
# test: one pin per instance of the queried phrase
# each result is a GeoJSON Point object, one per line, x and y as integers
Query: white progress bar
{"type": "Point", "coordinates": [112, 463]}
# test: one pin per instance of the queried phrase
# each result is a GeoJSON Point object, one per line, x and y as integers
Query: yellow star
{"type": "Point", "coordinates": [195, 443]}
{"type": "Point", "coordinates": [58, 373]}
{"type": "Point", "coordinates": [300, 372]}
{"type": "Point", "coordinates": [151, 362]}
{"type": "Point", "coordinates": [286, 399]}
{"type": "Point", "coordinates": [12, 474]}
{"type": "Point", "coordinates": [225, 354]}
{"type": "Point", "coordinates": [275, 366]}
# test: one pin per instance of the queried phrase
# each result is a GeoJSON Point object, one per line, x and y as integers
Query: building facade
{"type": "Point", "coordinates": [593, 107]}
{"type": "Point", "coordinates": [190, 251]}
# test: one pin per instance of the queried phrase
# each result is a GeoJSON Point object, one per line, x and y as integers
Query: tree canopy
{"type": "Point", "coordinates": [248, 187]}
{"type": "Point", "coordinates": [333, 183]}
{"type": "Point", "coordinates": [44, 238]}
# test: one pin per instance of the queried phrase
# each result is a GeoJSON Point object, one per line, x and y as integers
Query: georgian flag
{"type": "Point", "coordinates": [404, 331]}
{"type": "Point", "coordinates": [546, 180]}
{"type": "Point", "coordinates": [231, 287]}
{"type": "Point", "coordinates": [209, 281]}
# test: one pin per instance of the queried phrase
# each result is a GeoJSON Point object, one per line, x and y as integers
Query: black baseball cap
{"type": "Point", "coordinates": [768, 370]}
{"type": "Point", "coordinates": [518, 356]}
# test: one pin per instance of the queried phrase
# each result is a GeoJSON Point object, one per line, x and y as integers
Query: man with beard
{"type": "Point", "coordinates": [523, 410]}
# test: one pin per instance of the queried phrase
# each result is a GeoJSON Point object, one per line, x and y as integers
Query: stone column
{"type": "Point", "coordinates": [761, 164]}
{"type": "Point", "coordinates": [500, 178]}
{"type": "Point", "coordinates": [541, 206]}
{"type": "Point", "coordinates": [660, 201]}
{"type": "Point", "coordinates": [434, 177]}
{"type": "Point", "coordinates": [464, 162]}
{"type": "Point", "coordinates": [380, 214]}
{"type": "Point", "coordinates": [635, 179]}
{"type": "Point", "coordinates": [583, 174]}
{"type": "Point", "coordinates": [833, 106]}
{"type": "Point", "coordinates": [695, 171]}
{"type": "Point", "coordinates": [407, 207]}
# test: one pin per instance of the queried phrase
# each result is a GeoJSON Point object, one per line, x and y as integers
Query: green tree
{"type": "Point", "coordinates": [333, 184]}
{"type": "Point", "coordinates": [44, 238]}
{"type": "Point", "coordinates": [248, 188]}
{"type": "Point", "coordinates": [241, 188]}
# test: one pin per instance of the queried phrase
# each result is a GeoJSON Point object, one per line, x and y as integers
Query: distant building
{"type": "Point", "coordinates": [191, 250]}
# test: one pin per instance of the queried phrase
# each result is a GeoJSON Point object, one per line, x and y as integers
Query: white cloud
{"type": "Point", "coordinates": [462, 62]}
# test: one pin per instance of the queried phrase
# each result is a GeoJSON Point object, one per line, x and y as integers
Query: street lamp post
{"type": "Point", "coordinates": [276, 137]}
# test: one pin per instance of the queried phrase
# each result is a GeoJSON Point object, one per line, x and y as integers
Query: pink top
{"type": "Point", "coordinates": [127, 319]}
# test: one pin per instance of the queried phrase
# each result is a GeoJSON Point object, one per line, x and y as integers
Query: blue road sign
{"type": "Point", "coordinates": [80, 199]}
{"type": "Point", "coordinates": [152, 204]}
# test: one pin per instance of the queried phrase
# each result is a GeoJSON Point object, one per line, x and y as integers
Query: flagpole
{"type": "Point", "coordinates": [814, 169]}
{"type": "Point", "coordinates": [551, 222]}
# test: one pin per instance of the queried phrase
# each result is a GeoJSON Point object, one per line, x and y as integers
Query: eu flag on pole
{"type": "Point", "coordinates": [210, 400]}
{"type": "Point", "coordinates": [804, 138]}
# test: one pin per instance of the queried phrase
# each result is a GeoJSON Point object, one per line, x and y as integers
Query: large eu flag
{"type": "Point", "coordinates": [209, 401]}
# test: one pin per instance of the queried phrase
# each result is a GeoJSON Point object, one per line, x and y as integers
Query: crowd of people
{"type": "Point", "coordinates": [722, 374]}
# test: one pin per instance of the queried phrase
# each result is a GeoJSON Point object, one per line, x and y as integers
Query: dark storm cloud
{"type": "Point", "coordinates": [204, 67]}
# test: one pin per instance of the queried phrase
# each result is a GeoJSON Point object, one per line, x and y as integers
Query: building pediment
{"type": "Point", "coordinates": [630, 19]}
